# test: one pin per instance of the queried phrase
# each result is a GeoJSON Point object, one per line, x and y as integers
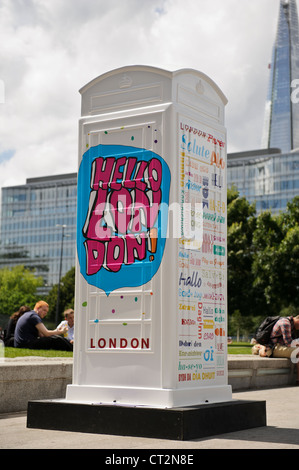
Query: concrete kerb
{"type": "Point", "coordinates": [37, 378]}
{"type": "Point", "coordinates": [32, 378]}
{"type": "Point", "coordinates": [247, 372]}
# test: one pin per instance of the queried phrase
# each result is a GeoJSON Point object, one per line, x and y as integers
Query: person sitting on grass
{"type": "Point", "coordinates": [10, 331]}
{"type": "Point", "coordinates": [31, 332]}
{"type": "Point", "coordinates": [69, 323]}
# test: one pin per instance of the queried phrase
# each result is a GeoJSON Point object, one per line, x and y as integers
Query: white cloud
{"type": "Point", "coordinates": [50, 49]}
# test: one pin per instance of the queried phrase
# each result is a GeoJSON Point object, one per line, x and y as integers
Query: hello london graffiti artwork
{"type": "Point", "coordinates": [121, 192]}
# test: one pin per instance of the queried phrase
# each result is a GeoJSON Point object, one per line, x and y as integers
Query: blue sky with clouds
{"type": "Point", "coordinates": [52, 48]}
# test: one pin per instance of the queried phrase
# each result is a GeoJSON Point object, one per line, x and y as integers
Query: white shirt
{"type": "Point", "coordinates": [70, 331]}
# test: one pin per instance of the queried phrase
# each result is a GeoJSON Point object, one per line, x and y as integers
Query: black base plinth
{"type": "Point", "coordinates": [186, 423]}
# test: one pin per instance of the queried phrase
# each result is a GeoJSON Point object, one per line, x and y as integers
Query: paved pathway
{"type": "Point", "coordinates": [281, 432]}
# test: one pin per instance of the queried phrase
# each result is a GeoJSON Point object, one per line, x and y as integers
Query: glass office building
{"type": "Point", "coordinates": [270, 177]}
{"type": "Point", "coordinates": [281, 126]}
{"type": "Point", "coordinates": [267, 177]}
{"type": "Point", "coordinates": [32, 216]}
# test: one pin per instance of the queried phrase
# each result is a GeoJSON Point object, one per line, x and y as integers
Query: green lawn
{"type": "Point", "coordinates": [239, 348]}
{"type": "Point", "coordinates": [235, 348]}
{"type": "Point", "coordinates": [18, 352]}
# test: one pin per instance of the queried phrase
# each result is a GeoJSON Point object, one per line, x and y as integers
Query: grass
{"type": "Point", "coordinates": [239, 348]}
{"type": "Point", "coordinates": [235, 348]}
{"type": "Point", "coordinates": [18, 352]}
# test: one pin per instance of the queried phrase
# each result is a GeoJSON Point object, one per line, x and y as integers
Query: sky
{"type": "Point", "coordinates": [49, 49]}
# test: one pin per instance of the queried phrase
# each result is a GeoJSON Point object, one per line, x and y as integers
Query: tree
{"type": "Point", "coordinates": [267, 238]}
{"type": "Point", "coordinates": [67, 294]}
{"type": "Point", "coordinates": [241, 225]}
{"type": "Point", "coordinates": [276, 263]}
{"type": "Point", "coordinates": [289, 263]}
{"type": "Point", "coordinates": [263, 258]}
{"type": "Point", "coordinates": [18, 287]}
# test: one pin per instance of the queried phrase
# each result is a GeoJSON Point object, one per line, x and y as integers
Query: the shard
{"type": "Point", "coordinates": [281, 126]}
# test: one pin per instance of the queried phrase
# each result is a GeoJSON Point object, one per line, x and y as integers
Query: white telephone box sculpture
{"type": "Point", "coordinates": [151, 294]}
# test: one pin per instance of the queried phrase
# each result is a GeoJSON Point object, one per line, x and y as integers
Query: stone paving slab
{"type": "Point", "coordinates": [281, 432]}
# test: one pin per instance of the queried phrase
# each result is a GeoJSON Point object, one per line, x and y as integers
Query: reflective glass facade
{"type": "Point", "coordinates": [267, 177]}
{"type": "Point", "coordinates": [281, 128]}
{"type": "Point", "coordinates": [29, 217]}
